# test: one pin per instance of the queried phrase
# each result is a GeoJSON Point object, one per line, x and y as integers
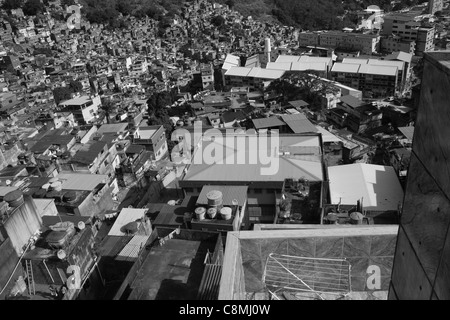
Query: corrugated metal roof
{"type": "Point", "coordinates": [378, 70]}
{"type": "Point", "coordinates": [376, 62]}
{"type": "Point", "coordinates": [287, 167]}
{"type": "Point", "coordinates": [229, 193]}
{"type": "Point", "coordinates": [131, 250]}
{"type": "Point", "coordinates": [209, 286]}
{"type": "Point", "coordinates": [238, 71]}
{"type": "Point", "coordinates": [345, 67]}
{"type": "Point", "coordinates": [286, 66]}
{"type": "Point", "coordinates": [261, 73]}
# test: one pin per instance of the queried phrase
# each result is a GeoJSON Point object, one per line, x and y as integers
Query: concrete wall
{"type": "Point", "coordinates": [232, 283]}
{"type": "Point", "coordinates": [89, 207]}
{"type": "Point", "coordinates": [23, 222]}
{"type": "Point", "coordinates": [422, 260]}
{"type": "Point", "coordinates": [8, 260]}
{"type": "Point", "coordinates": [361, 251]}
{"type": "Point", "coordinates": [9, 156]}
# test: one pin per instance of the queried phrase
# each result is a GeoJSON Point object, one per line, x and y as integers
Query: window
{"type": "Point", "coordinates": [259, 191]}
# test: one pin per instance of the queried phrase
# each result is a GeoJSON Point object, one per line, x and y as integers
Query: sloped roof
{"type": "Point", "coordinates": [309, 167]}
{"type": "Point", "coordinates": [263, 123]}
{"type": "Point", "coordinates": [89, 152]}
{"type": "Point", "coordinates": [298, 103]}
{"type": "Point", "coordinates": [298, 123]}
{"type": "Point", "coordinates": [352, 101]}
{"type": "Point", "coordinates": [408, 132]}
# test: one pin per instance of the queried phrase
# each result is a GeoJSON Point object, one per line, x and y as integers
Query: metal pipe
{"type": "Point", "coordinates": [15, 268]}
{"type": "Point", "coordinates": [43, 261]}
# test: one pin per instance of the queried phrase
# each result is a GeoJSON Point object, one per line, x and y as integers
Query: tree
{"type": "Point", "coordinates": [306, 85]}
{"type": "Point", "coordinates": [107, 107]}
{"type": "Point", "coordinates": [75, 86]}
{"type": "Point", "coordinates": [123, 6]}
{"type": "Point", "coordinates": [33, 7]}
{"type": "Point", "coordinates": [230, 3]}
{"type": "Point", "coordinates": [157, 110]}
{"type": "Point", "coordinates": [218, 21]}
{"type": "Point", "coordinates": [12, 4]}
{"type": "Point", "coordinates": [61, 94]}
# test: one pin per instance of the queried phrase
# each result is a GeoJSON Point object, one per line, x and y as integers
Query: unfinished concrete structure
{"type": "Point", "coordinates": [422, 259]}
{"type": "Point", "coordinates": [369, 250]}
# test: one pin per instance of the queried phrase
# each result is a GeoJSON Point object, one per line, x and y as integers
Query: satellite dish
{"type": "Point", "coordinates": [81, 225]}
{"type": "Point", "coordinates": [61, 254]}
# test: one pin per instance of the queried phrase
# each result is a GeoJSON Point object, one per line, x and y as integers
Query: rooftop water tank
{"type": "Point", "coordinates": [214, 198]}
{"type": "Point", "coordinates": [212, 213]}
{"type": "Point", "coordinates": [225, 213]}
{"type": "Point", "coordinates": [14, 198]}
{"type": "Point", "coordinates": [200, 213]}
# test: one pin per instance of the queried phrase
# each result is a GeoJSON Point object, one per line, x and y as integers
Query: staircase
{"type": "Point", "coordinates": [30, 277]}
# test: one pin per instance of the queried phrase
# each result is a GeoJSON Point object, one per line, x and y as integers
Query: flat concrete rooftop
{"type": "Point", "coordinates": [174, 270]}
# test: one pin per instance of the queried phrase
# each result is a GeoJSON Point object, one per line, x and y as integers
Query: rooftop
{"type": "Point", "coordinates": [263, 123]}
{"type": "Point", "coordinates": [126, 216]}
{"type": "Point", "coordinates": [77, 101]}
{"type": "Point", "coordinates": [173, 270]}
{"type": "Point", "coordinates": [377, 186]}
{"type": "Point", "coordinates": [302, 160]}
{"type": "Point", "coordinates": [247, 252]}
{"type": "Point", "coordinates": [229, 193]}
{"type": "Point", "coordinates": [81, 181]}
{"type": "Point", "coordinates": [113, 128]}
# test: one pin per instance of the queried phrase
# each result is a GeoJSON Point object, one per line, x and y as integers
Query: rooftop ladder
{"type": "Point", "coordinates": [30, 277]}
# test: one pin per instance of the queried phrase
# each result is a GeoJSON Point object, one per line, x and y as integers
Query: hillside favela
{"type": "Point", "coordinates": [253, 151]}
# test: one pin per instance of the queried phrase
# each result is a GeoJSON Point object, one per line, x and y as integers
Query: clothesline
{"type": "Point", "coordinates": [162, 241]}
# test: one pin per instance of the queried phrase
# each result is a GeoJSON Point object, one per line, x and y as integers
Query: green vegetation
{"type": "Point", "coordinates": [314, 14]}
{"type": "Point", "coordinates": [157, 109]}
{"type": "Point", "coordinates": [12, 4]}
{"type": "Point", "coordinates": [108, 11]}
{"type": "Point", "coordinates": [33, 7]}
{"type": "Point", "coordinates": [307, 86]}
{"type": "Point", "coordinates": [65, 93]}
